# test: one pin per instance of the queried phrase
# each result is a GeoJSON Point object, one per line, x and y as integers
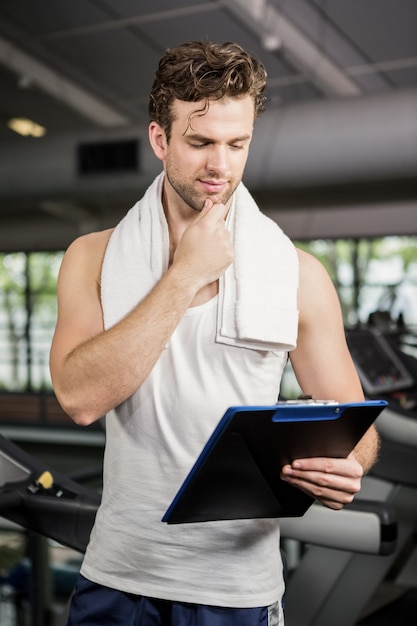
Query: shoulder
{"type": "Point", "coordinates": [312, 272]}
{"type": "Point", "coordinates": [86, 253]}
{"type": "Point", "coordinates": [89, 247]}
{"type": "Point", "coordinates": [92, 243]}
{"type": "Point", "coordinates": [316, 291]}
{"type": "Point", "coordinates": [309, 264]}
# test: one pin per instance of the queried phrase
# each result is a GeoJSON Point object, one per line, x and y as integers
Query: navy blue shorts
{"type": "Point", "coordinates": [94, 605]}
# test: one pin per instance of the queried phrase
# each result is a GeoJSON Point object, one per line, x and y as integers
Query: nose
{"type": "Point", "coordinates": [217, 161]}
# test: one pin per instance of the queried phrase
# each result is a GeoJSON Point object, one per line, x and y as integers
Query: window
{"type": "Point", "coordinates": [374, 278]}
{"type": "Point", "coordinates": [372, 275]}
{"type": "Point", "coordinates": [27, 318]}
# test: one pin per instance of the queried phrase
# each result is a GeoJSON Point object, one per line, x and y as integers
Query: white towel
{"type": "Point", "coordinates": [258, 292]}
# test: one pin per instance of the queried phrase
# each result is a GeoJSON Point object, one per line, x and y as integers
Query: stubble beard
{"type": "Point", "coordinates": [194, 200]}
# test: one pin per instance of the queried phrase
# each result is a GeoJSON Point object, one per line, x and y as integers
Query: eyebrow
{"type": "Point", "coordinates": [202, 138]}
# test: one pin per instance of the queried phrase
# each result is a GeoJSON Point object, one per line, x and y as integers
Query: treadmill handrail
{"type": "Point", "coordinates": [367, 527]}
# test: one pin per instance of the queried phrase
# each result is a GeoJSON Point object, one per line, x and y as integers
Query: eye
{"type": "Point", "coordinates": [198, 143]}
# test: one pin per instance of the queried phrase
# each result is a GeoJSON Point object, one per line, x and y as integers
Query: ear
{"type": "Point", "coordinates": [158, 141]}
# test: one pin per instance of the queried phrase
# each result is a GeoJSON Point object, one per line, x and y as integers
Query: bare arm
{"type": "Point", "coordinates": [324, 370]}
{"type": "Point", "coordinates": [95, 370]}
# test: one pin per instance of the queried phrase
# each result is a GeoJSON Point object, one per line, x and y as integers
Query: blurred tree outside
{"type": "Point", "coordinates": [371, 275]}
{"type": "Point", "coordinates": [27, 318]}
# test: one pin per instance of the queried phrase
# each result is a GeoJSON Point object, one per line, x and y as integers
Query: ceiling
{"type": "Point", "coordinates": [339, 129]}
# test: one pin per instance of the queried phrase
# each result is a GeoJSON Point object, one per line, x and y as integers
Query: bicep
{"type": "Point", "coordinates": [321, 361]}
{"type": "Point", "coordinates": [79, 306]}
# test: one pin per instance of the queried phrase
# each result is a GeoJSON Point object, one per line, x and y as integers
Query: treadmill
{"type": "Point", "coordinates": [339, 586]}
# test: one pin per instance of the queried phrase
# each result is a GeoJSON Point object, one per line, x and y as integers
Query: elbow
{"type": "Point", "coordinates": [79, 412]}
{"type": "Point", "coordinates": [84, 418]}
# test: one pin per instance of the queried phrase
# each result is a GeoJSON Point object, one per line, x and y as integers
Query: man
{"type": "Point", "coordinates": [164, 322]}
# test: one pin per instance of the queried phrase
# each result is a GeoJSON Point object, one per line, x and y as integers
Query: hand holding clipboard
{"type": "Point", "coordinates": [236, 475]}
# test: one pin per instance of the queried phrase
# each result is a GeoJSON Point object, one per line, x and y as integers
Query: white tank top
{"type": "Point", "coordinates": [152, 441]}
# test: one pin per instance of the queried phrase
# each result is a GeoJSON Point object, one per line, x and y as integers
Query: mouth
{"type": "Point", "coordinates": [213, 186]}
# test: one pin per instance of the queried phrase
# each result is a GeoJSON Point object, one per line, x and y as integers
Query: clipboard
{"type": "Point", "coordinates": [236, 476]}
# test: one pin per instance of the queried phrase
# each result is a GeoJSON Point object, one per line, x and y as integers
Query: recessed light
{"type": "Point", "coordinates": [26, 127]}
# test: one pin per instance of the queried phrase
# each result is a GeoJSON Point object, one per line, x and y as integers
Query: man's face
{"type": "Point", "coordinates": [207, 153]}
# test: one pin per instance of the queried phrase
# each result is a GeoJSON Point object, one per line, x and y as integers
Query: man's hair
{"type": "Point", "coordinates": [202, 71]}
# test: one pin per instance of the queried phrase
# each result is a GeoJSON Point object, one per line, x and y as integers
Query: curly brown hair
{"type": "Point", "coordinates": [202, 71]}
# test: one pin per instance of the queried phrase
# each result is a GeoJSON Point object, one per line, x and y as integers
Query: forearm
{"type": "Point", "coordinates": [103, 371]}
{"type": "Point", "coordinates": [366, 451]}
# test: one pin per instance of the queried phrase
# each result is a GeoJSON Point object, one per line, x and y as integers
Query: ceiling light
{"type": "Point", "coordinates": [26, 127]}
{"type": "Point", "coordinates": [303, 53]}
{"type": "Point", "coordinates": [58, 86]}
{"type": "Point", "coordinates": [271, 42]}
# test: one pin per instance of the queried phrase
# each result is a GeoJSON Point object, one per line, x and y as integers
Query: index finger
{"type": "Point", "coordinates": [327, 465]}
{"type": "Point", "coordinates": [212, 211]}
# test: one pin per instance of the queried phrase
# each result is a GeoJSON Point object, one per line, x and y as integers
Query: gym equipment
{"type": "Point", "coordinates": [46, 502]}
{"type": "Point", "coordinates": [337, 586]}
{"type": "Point", "coordinates": [41, 500]}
